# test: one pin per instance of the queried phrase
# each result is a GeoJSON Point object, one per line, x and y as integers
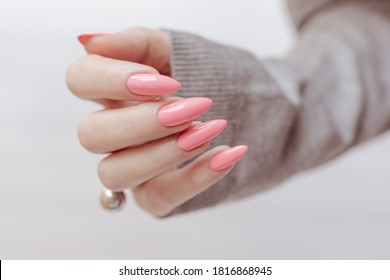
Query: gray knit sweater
{"type": "Point", "coordinates": [330, 93]}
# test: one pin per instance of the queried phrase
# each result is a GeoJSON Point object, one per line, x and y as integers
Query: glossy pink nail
{"type": "Point", "coordinates": [84, 38]}
{"type": "Point", "coordinates": [183, 111]}
{"type": "Point", "coordinates": [200, 134]}
{"type": "Point", "coordinates": [152, 84]}
{"type": "Point", "coordinates": [227, 158]}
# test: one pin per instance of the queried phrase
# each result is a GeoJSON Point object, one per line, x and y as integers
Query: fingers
{"type": "Point", "coordinates": [165, 192]}
{"type": "Point", "coordinates": [137, 44]}
{"type": "Point", "coordinates": [133, 166]}
{"type": "Point", "coordinates": [112, 130]}
{"type": "Point", "coordinates": [96, 77]}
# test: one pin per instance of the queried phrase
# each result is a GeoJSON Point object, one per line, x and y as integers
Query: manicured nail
{"type": "Point", "coordinates": [200, 134]}
{"type": "Point", "coordinates": [183, 111]}
{"type": "Point", "coordinates": [84, 38]}
{"type": "Point", "coordinates": [152, 84]}
{"type": "Point", "coordinates": [227, 158]}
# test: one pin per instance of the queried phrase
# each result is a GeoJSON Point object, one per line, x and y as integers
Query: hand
{"type": "Point", "coordinates": [146, 133]}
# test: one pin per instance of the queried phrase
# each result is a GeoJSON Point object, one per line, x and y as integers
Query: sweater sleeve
{"type": "Point", "coordinates": [330, 93]}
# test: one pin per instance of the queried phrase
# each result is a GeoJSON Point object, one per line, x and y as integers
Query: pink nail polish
{"type": "Point", "coordinates": [184, 110]}
{"type": "Point", "coordinates": [84, 38]}
{"type": "Point", "coordinates": [227, 158]}
{"type": "Point", "coordinates": [200, 134]}
{"type": "Point", "coordinates": [152, 84]}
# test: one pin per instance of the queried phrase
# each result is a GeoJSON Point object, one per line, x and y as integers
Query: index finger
{"type": "Point", "coordinates": [96, 77]}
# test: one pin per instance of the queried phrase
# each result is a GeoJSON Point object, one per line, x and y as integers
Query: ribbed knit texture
{"type": "Point", "coordinates": [330, 93]}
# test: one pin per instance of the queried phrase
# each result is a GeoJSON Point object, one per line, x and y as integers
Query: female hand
{"type": "Point", "coordinates": [146, 132]}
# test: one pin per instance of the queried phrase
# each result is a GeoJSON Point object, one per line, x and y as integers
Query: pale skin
{"type": "Point", "coordinates": [128, 129]}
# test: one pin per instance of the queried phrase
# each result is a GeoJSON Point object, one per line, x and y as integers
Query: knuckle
{"type": "Point", "coordinates": [71, 76]}
{"type": "Point", "coordinates": [151, 201]}
{"type": "Point", "coordinates": [105, 174]}
{"type": "Point", "coordinates": [139, 197]}
{"type": "Point", "coordinates": [193, 181]}
{"type": "Point", "coordinates": [133, 124]}
{"type": "Point", "coordinates": [86, 135]}
{"type": "Point", "coordinates": [175, 157]}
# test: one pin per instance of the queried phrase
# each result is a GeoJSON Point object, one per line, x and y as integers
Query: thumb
{"type": "Point", "coordinates": [137, 44]}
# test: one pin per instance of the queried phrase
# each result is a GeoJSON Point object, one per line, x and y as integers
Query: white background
{"type": "Point", "coordinates": [48, 184]}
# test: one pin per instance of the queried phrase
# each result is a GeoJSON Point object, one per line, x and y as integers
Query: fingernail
{"type": "Point", "coordinates": [184, 110]}
{"type": "Point", "coordinates": [200, 134]}
{"type": "Point", "coordinates": [227, 158]}
{"type": "Point", "coordinates": [152, 84]}
{"type": "Point", "coordinates": [84, 38]}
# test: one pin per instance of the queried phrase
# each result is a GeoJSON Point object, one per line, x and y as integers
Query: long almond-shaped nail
{"type": "Point", "coordinates": [200, 134]}
{"type": "Point", "coordinates": [183, 111]}
{"type": "Point", "coordinates": [84, 38]}
{"type": "Point", "coordinates": [152, 84]}
{"type": "Point", "coordinates": [227, 158]}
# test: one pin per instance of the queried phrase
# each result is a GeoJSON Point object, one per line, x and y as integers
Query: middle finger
{"type": "Point", "coordinates": [115, 129]}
